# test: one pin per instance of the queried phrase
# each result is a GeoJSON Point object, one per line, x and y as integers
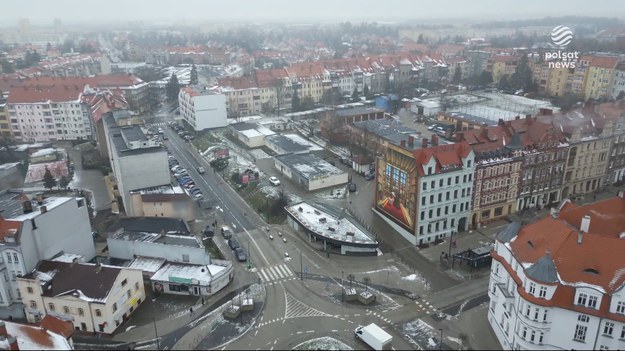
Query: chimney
{"type": "Point", "coordinates": [585, 226]}
{"type": "Point", "coordinates": [43, 209]}
{"type": "Point", "coordinates": [411, 140]}
{"type": "Point", "coordinates": [13, 343]}
{"type": "Point", "coordinates": [434, 140]}
{"type": "Point", "coordinates": [424, 143]}
{"type": "Point", "coordinates": [517, 117]}
{"type": "Point", "coordinates": [621, 194]}
{"type": "Point", "coordinates": [403, 143]}
{"type": "Point", "coordinates": [39, 198]}
{"type": "Point", "coordinates": [98, 267]}
{"type": "Point", "coordinates": [74, 261]}
{"type": "Point", "coordinates": [27, 206]}
{"type": "Point", "coordinates": [501, 122]}
{"type": "Point", "coordinates": [3, 329]}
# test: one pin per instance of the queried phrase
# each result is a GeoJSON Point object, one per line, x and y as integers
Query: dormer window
{"type": "Point", "coordinates": [542, 292]}
{"type": "Point", "coordinates": [532, 289]}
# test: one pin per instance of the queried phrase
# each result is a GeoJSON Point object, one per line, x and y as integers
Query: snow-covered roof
{"type": "Point", "coordinates": [147, 264]}
{"type": "Point", "coordinates": [43, 152]}
{"type": "Point", "coordinates": [328, 225]}
{"type": "Point", "coordinates": [33, 337]}
{"type": "Point", "coordinates": [197, 274]}
{"type": "Point", "coordinates": [308, 166]}
{"type": "Point", "coordinates": [69, 258]}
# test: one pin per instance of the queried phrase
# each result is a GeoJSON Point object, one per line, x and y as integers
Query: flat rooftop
{"type": "Point", "coordinates": [308, 166]}
{"type": "Point", "coordinates": [167, 239]}
{"type": "Point", "coordinates": [151, 225]}
{"type": "Point", "coordinates": [293, 143]}
{"type": "Point", "coordinates": [329, 225]}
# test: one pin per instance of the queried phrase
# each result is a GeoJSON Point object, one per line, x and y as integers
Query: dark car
{"type": "Point", "coordinates": [241, 255]}
{"type": "Point", "coordinates": [209, 232]}
{"type": "Point", "coordinates": [226, 232]}
{"type": "Point", "coordinates": [233, 243]}
{"type": "Point", "coordinates": [369, 176]}
{"type": "Point", "coordinates": [351, 187]}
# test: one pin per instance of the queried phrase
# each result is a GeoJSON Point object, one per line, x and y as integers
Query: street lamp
{"type": "Point", "coordinates": [301, 266]}
{"type": "Point", "coordinates": [158, 346]}
{"type": "Point", "coordinates": [342, 288]}
{"type": "Point", "coordinates": [440, 343]}
{"type": "Point", "coordinates": [249, 256]}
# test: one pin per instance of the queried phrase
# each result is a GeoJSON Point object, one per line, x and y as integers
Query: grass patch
{"type": "Point", "coordinates": [263, 204]}
{"type": "Point", "coordinates": [205, 139]}
{"type": "Point", "coordinates": [213, 250]}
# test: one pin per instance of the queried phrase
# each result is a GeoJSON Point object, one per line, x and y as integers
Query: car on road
{"type": "Point", "coordinates": [241, 255]}
{"type": "Point", "coordinates": [208, 231]}
{"type": "Point", "coordinates": [351, 187]}
{"type": "Point", "coordinates": [226, 232]}
{"type": "Point", "coordinates": [369, 176]}
{"type": "Point", "coordinates": [233, 243]}
{"type": "Point", "coordinates": [274, 181]}
{"type": "Point", "coordinates": [201, 170]}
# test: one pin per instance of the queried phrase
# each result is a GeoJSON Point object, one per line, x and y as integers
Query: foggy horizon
{"type": "Point", "coordinates": [197, 11]}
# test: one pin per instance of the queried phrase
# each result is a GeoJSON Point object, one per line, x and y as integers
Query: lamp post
{"type": "Point", "coordinates": [301, 266]}
{"type": "Point", "coordinates": [451, 238]}
{"type": "Point", "coordinates": [342, 288]}
{"type": "Point", "coordinates": [158, 345]}
{"type": "Point", "coordinates": [440, 343]}
{"type": "Point", "coordinates": [249, 256]}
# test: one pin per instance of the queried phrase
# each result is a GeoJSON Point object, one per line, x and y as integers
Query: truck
{"type": "Point", "coordinates": [374, 336]}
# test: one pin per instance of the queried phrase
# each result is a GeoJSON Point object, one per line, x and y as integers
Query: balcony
{"type": "Point", "coordinates": [504, 292]}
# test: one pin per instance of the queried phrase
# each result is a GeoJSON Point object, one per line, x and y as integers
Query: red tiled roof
{"type": "Point", "coordinates": [244, 82]}
{"type": "Point", "coordinates": [601, 248]}
{"type": "Point", "coordinates": [9, 228]}
{"type": "Point", "coordinates": [61, 327]}
{"type": "Point", "coordinates": [444, 155]}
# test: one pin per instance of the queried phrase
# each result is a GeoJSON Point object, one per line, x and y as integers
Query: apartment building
{"type": "Point", "coordinates": [557, 283]}
{"type": "Point", "coordinates": [202, 108]}
{"type": "Point", "coordinates": [498, 170]}
{"type": "Point", "coordinates": [501, 65]}
{"type": "Point", "coordinates": [36, 229]}
{"type": "Point", "coordinates": [423, 191]}
{"type": "Point", "coordinates": [618, 83]}
{"type": "Point", "coordinates": [94, 297]}
{"type": "Point", "coordinates": [615, 111]}
{"type": "Point", "coordinates": [589, 136]}
{"type": "Point", "coordinates": [559, 80]}
{"type": "Point", "coordinates": [5, 122]}
{"type": "Point", "coordinates": [545, 152]}
{"type": "Point", "coordinates": [136, 162]}
{"type": "Point", "coordinates": [600, 76]}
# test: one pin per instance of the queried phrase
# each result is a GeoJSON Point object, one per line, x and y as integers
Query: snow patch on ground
{"type": "Point", "coordinates": [323, 343]}
{"type": "Point", "coordinates": [391, 268]}
{"type": "Point", "coordinates": [130, 327]}
{"type": "Point", "coordinates": [412, 277]}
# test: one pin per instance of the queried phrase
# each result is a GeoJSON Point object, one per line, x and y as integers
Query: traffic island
{"type": "Point", "coordinates": [232, 312]}
{"type": "Point", "coordinates": [366, 298]}
{"type": "Point", "coordinates": [351, 295]}
{"type": "Point", "coordinates": [248, 305]}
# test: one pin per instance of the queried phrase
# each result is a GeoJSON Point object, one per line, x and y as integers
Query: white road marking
{"type": "Point", "coordinates": [262, 271]}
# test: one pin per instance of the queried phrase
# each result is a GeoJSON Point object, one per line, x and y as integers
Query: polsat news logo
{"type": "Point", "coordinates": [561, 37]}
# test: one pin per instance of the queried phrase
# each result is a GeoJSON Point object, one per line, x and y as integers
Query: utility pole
{"type": "Point", "coordinates": [451, 238]}
{"type": "Point", "coordinates": [249, 254]}
{"type": "Point", "coordinates": [301, 266]}
{"type": "Point", "coordinates": [342, 288]}
{"type": "Point", "coordinates": [440, 343]}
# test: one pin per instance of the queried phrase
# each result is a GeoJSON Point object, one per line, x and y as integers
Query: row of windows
{"type": "Point", "coordinates": [463, 193]}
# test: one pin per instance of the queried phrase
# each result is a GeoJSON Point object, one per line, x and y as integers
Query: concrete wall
{"type": "Point", "coordinates": [141, 171]}
{"type": "Point", "coordinates": [328, 181]}
{"type": "Point", "coordinates": [173, 209]}
{"type": "Point", "coordinates": [210, 111]}
{"type": "Point", "coordinates": [124, 249]}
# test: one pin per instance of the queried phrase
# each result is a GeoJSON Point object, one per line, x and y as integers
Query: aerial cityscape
{"type": "Point", "coordinates": [284, 175]}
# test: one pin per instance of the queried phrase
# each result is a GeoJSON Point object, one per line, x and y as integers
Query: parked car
{"type": "Point", "coordinates": [201, 170]}
{"type": "Point", "coordinates": [369, 176]}
{"type": "Point", "coordinates": [226, 232]}
{"type": "Point", "coordinates": [233, 243]}
{"type": "Point", "coordinates": [241, 255]}
{"type": "Point", "coordinates": [351, 187]}
{"type": "Point", "coordinates": [274, 181]}
{"type": "Point", "coordinates": [209, 232]}
{"type": "Point", "coordinates": [199, 196]}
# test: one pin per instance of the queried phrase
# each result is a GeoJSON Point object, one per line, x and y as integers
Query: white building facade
{"type": "Point", "coordinates": [40, 233]}
{"type": "Point", "coordinates": [203, 110]}
{"type": "Point", "coordinates": [564, 293]}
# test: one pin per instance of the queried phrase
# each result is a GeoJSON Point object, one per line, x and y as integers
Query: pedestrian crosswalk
{"type": "Point", "coordinates": [275, 273]}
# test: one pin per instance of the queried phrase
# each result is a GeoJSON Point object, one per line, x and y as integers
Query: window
{"type": "Point", "coordinates": [623, 333]}
{"type": "Point", "coordinates": [136, 286]}
{"type": "Point", "coordinates": [608, 328]}
{"type": "Point", "coordinates": [124, 282]}
{"type": "Point", "coordinates": [51, 307]}
{"type": "Point", "coordinates": [532, 289]}
{"type": "Point", "coordinates": [524, 333]}
{"type": "Point", "coordinates": [33, 304]}
{"type": "Point", "coordinates": [541, 337]}
{"type": "Point", "coordinates": [580, 333]}
{"type": "Point", "coordinates": [81, 312]}
{"type": "Point", "coordinates": [620, 307]}
{"type": "Point", "coordinates": [592, 301]}
{"type": "Point", "coordinates": [29, 290]}
{"type": "Point", "coordinates": [128, 293]}
{"type": "Point", "coordinates": [536, 313]}
{"type": "Point", "coordinates": [9, 259]}
{"type": "Point", "coordinates": [581, 299]}
{"type": "Point", "coordinates": [545, 313]}
{"type": "Point", "coordinates": [533, 336]}
{"type": "Point", "coordinates": [65, 309]}
{"type": "Point", "coordinates": [115, 307]}
{"type": "Point", "coordinates": [542, 292]}
{"type": "Point", "coordinates": [583, 318]}
{"type": "Point", "coordinates": [185, 258]}
{"type": "Point", "coordinates": [15, 259]}
{"type": "Point", "coordinates": [98, 312]}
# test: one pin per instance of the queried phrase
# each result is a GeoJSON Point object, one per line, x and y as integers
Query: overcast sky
{"type": "Point", "coordinates": [71, 11]}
